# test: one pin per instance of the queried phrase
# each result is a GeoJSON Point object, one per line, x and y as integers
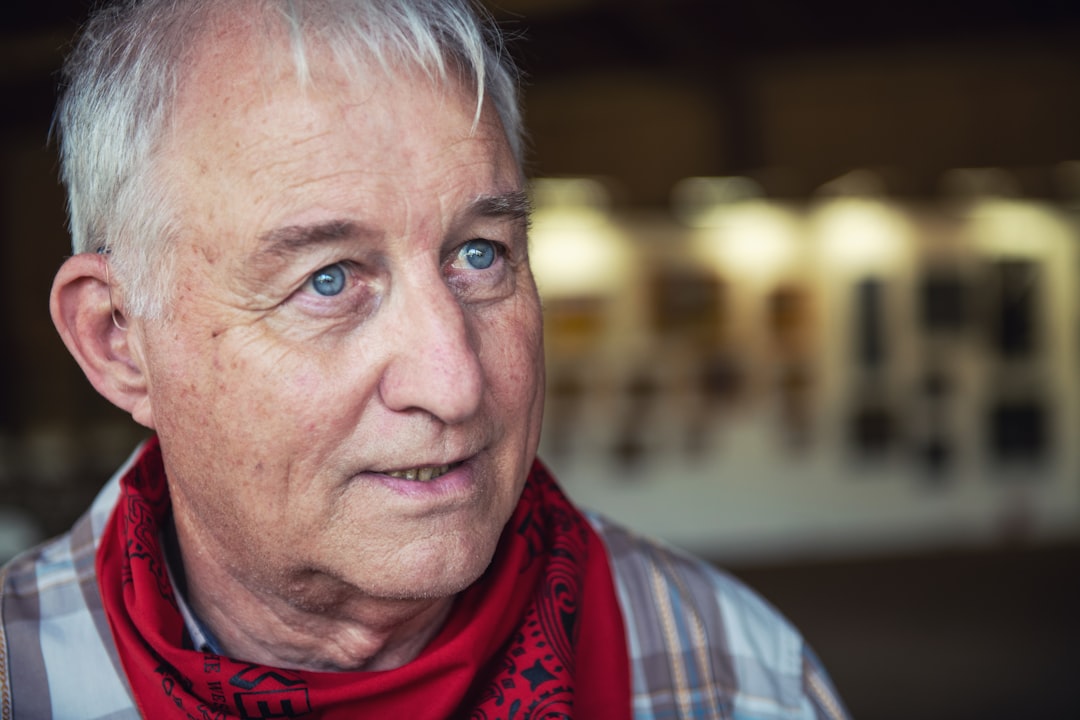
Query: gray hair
{"type": "Point", "coordinates": [123, 77]}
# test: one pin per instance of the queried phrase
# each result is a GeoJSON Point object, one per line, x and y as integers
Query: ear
{"type": "Point", "coordinates": [97, 335]}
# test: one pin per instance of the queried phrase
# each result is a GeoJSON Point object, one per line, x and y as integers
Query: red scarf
{"type": "Point", "coordinates": [540, 635]}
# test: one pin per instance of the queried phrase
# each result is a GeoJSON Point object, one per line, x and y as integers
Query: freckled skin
{"type": "Point", "coordinates": [277, 407]}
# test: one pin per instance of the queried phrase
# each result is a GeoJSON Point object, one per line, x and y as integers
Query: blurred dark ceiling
{"type": "Point", "coordinates": [676, 32]}
{"type": "Point", "coordinates": [691, 36]}
{"type": "Point", "coordinates": [714, 46]}
{"type": "Point", "coordinates": [665, 31]}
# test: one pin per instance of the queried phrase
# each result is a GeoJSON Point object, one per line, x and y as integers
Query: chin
{"type": "Point", "coordinates": [444, 574]}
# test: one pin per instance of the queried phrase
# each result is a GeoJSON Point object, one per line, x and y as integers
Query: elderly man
{"type": "Point", "coordinates": [301, 260]}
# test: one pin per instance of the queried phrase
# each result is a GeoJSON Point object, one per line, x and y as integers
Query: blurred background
{"type": "Point", "coordinates": [810, 273]}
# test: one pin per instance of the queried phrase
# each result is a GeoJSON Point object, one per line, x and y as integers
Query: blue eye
{"type": "Point", "coordinates": [329, 281]}
{"type": "Point", "coordinates": [479, 254]}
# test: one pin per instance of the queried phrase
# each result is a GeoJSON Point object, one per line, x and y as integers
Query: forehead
{"type": "Point", "coordinates": [240, 63]}
{"type": "Point", "coordinates": [244, 110]}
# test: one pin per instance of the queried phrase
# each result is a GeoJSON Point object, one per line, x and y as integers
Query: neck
{"type": "Point", "coordinates": [319, 623]}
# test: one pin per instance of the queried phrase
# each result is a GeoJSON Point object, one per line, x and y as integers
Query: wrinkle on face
{"type": "Point", "coordinates": [274, 428]}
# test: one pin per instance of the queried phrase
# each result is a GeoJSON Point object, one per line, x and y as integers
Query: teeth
{"type": "Point", "coordinates": [421, 474]}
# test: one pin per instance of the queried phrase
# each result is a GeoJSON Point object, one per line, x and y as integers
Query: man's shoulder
{"type": "Point", "coordinates": [56, 656]}
{"type": "Point", "coordinates": [703, 644]}
{"type": "Point", "coordinates": [650, 571]}
{"type": "Point", "coordinates": [63, 559]}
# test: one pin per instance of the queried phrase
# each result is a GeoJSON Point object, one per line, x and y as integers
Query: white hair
{"type": "Point", "coordinates": [122, 79]}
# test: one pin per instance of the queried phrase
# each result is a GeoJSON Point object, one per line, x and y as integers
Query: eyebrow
{"type": "Point", "coordinates": [290, 238]}
{"type": "Point", "coordinates": [515, 205]}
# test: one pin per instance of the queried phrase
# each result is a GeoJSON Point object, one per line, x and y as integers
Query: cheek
{"type": "Point", "coordinates": [207, 392]}
{"type": "Point", "coordinates": [313, 404]}
{"type": "Point", "coordinates": [515, 359]}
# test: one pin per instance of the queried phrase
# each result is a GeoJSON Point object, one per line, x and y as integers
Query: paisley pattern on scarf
{"type": "Point", "coordinates": [508, 651]}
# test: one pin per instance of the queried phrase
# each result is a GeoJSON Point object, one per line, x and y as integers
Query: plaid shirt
{"type": "Point", "coordinates": [701, 644]}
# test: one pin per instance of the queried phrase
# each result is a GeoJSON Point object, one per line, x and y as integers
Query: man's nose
{"type": "Point", "coordinates": [434, 362]}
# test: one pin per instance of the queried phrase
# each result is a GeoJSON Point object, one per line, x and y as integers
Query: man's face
{"type": "Point", "coordinates": [349, 388]}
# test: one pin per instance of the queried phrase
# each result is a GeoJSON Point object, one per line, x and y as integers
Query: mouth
{"type": "Point", "coordinates": [423, 474]}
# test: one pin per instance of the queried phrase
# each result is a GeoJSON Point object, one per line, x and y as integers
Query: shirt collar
{"type": "Point", "coordinates": [201, 638]}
